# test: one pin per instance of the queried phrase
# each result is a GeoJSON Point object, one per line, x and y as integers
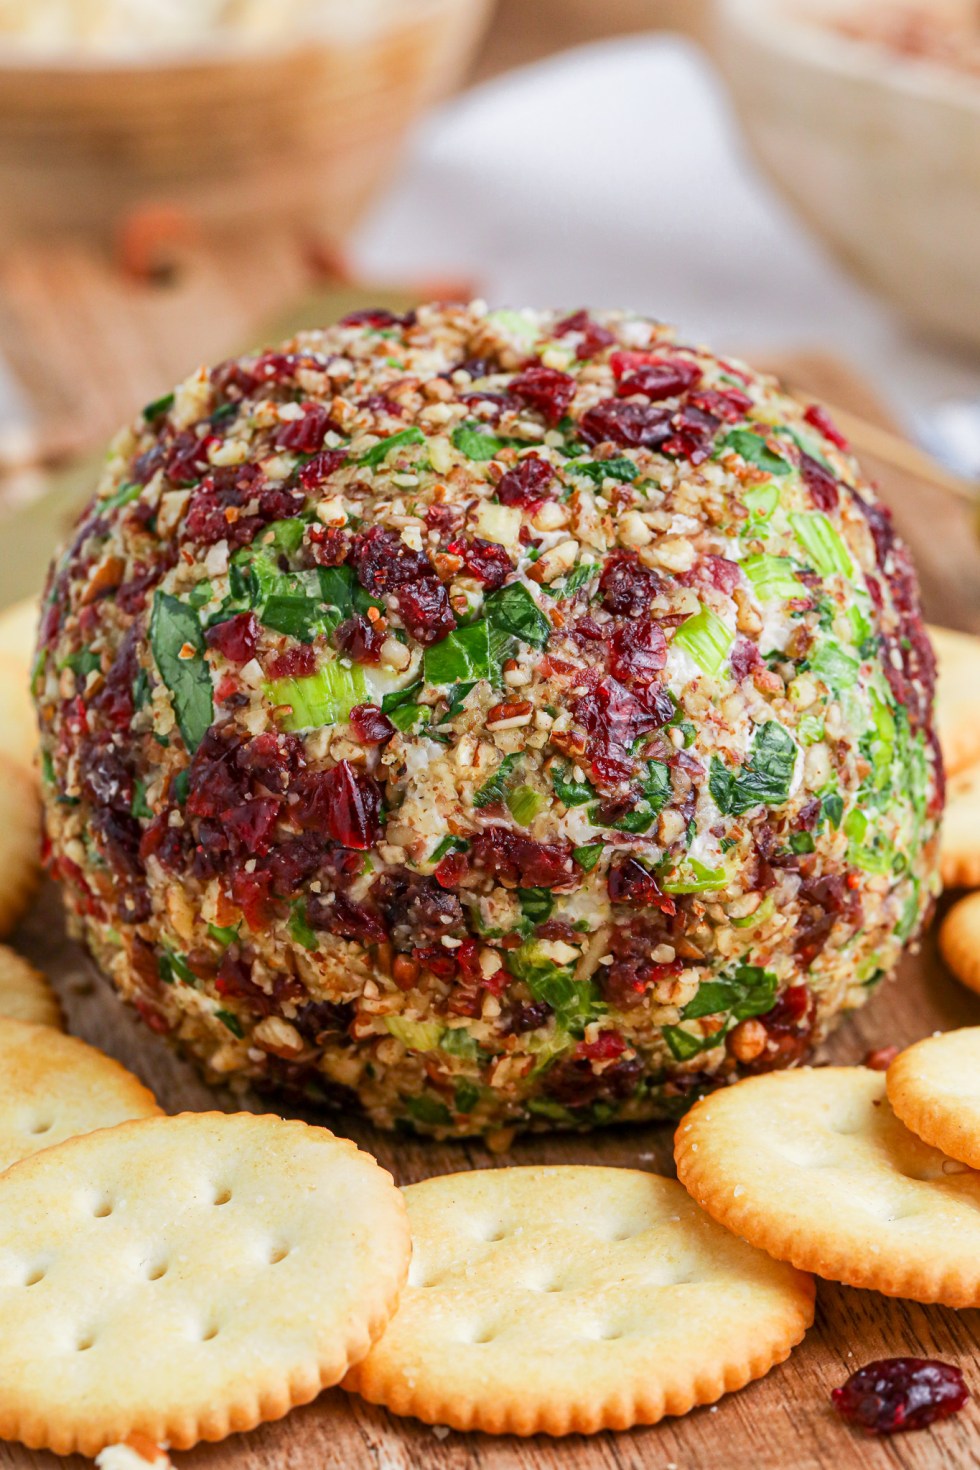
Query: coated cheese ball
{"type": "Point", "coordinates": [488, 720]}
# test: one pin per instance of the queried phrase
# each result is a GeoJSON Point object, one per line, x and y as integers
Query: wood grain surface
{"type": "Point", "coordinates": [785, 1420]}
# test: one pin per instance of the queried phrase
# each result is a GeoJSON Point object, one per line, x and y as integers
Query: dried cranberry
{"type": "Point", "coordinates": [347, 919]}
{"type": "Point", "coordinates": [660, 377]}
{"type": "Point", "coordinates": [546, 390]}
{"type": "Point", "coordinates": [330, 545]}
{"type": "Point", "coordinates": [632, 425]}
{"type": "Point", "coordinates": [443, 518]}
{"type": "Point", "coordinates": [575, 1083]}
{"type": "Point", "coordinates": [371, 725]}
{"type": "Point", "coordinates": [418, 907]}
{"type": "Point", "coordinates": [719, 572]}
{"type": "Point", "coordinates": [383, 561]}
{"type": "Point", "coordinates": [372, 316]}
{"type": "Point", "coordinates": [236, 638]}
{"type": "Point", "coordinates": [614, 719]}
{"type": "Point", "coordinates": [315, 473]}
{"type": "Point", "coordinates": [895, 1394]}
{"type": "Point", "coordinates": [630, 882]}
{"type": "Point", "coordinates": [187, 458]}
{"type": "Point", "coordinates": [639, 652]}
{"type": "Point", "coordinates": [820, 419]}
{"type": "Point", "coordinates": [527, 484]}
{"type": "Point", "coordinates": [360, 639]}
{"type": "Point", "coordinates": [214, 511]}
{"type": "Point", "coordinates": [821, 485]}
{"type": "Point", "coordinates": [594, 337]}
{"type": "Point", "coordinates": [425, 610]}
{"type": "Point", "coordinates": [626, 586]}
{"type": "Point", "coordinates": [487, 561]}
{"type": "Point", "coordinates": [304, 435]}
{"type": "Point", "coordinates": [607, 1046]}
{"type": "Point", "coordinates": [729, 404]}
{"type": "Point", "coordinates": [880, 1058]}
{"type": "Point", "coordinates": [353, 806]}
{"type": "Point", "coordinates": [789, 1027]}
{"type": "Point", "coordinates": [520, 860]}
{"type": "Point", "coordinates": [252, 823]}
{"type": "Point", "coordinates": [745, 657]}
{"type": "Point", "coordinates": [525, 1017]}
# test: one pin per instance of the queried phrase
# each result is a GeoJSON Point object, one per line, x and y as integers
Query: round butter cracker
{"type": "Point", "coordinates": [183, 1278]}
{"type": "Point", "coordinates": [814, 1167]}
{"type": "Point", "coordinates": [957, 696]}
{"type": "Point", "coordinates": [934, 1087]}
{"type": "Point", "coordinates": [54, 1087]}
{"type": "Point", "coordinates": [573, 1299]}
{"type": "Point", "coordinates": [25, 994]}
{"type": "Point", "coordinates": [959, 844]}
{"type": "Point", "coordinates": [959, 940]}
{"type": "Point", "coordinates": [20, 843]}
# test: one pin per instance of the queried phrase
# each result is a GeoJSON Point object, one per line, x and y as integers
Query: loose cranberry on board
{"type": "Point", "coordinates": [895, 1394]}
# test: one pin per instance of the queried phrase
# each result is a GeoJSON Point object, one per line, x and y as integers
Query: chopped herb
{"type": "Point", "coordinates": [428, 1111]}
{"type": "Point", "coordinates": [577, 578]}
{"type": "Point", "coordinates": [158, 407]}
{"type": "Point", "coordinates": [569, 791]}
{"type": "Point", "coordinates": [495, 789]}
{"type": "Point", "coordinates": [232, 1022]}
{"type": "Point", "coordinates": [765, 777]}
{"type": "Point", "coordinates": [706, 638]}
{"type": "Point", "coordinates": [83, 663]}
{"type": "Point", "coordinates": [476, 443]}
{"type": "Point", "coordinates": [299, 926]}
{"type": "Point", "coordinates": [180, 785]}
{"type": "Point", "coordinates": [466, 1097]}
{"type": "Point", "coordinates": [448, 845]}
{"type": "Point", "coordinates": [125, 495]}
{"type": "Point", "coordinates": [686, 1044]}
{"type": "Point", "coordinates": [747, 991]}
{"type": "Point", "coordinates": [172, 966]}
{"type": "Point", "coordinates": [223, 936]}
{"type": "Point", "coordinates": [801, 842]}
{"type": "Point", "coordinates": [456, 1041]}
{"type": "Point", "coordinates": [458, 694]}
{"type": "Point", "coordinates": [694, 877]}
{"type": "Point", "coordinates": [379, 452]}
{"type": "Point", "coordinates": [139, 807]}
{"type": "Point", "coordinates": [832, 808]}
{"type": "Point", "coordinates": [174, 627]}
{"type": "Point", "coordinates": [587, 857]}
{"type": "Point", "coordinates": [761, 500]}
{"type": "Point", "coordinates": [754, 450]}
{"type": "Point", "coordinates": [575, 1002]}
{"type": "Point", "coordinates": [837, 669]}
{"type": "Point", "coordinates": [656, 790]}
{"type": "Point", "coordinates": [514, 611]}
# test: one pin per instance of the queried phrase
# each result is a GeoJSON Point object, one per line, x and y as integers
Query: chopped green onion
{"type": "Point", "coordinates": [324, 698]}
{"type": "Point", "coordinates": [695, 877]}
{"type": "Point", "coordinates": [524, 803]}
{"type": "Point", "coordinates": [820, 539]}
{"type": "Point", "coordinates": [416, 1035]}
{"type": "Point", "coordinates": [772, 577]}
{"type": "Point", "coordinates": [706, 638]}
{"type": "Point", "coordinates": [299, 926]}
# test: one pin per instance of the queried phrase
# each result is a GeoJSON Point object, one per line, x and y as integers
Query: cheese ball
{"type": "Point", "coordinates": [488, 720]}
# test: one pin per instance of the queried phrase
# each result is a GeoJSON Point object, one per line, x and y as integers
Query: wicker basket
{"type": "Point", "coordinates": [306, 133]}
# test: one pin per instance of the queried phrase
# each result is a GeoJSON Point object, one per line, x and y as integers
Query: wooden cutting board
{"type": "Point", "coordinates": [785, 1420]}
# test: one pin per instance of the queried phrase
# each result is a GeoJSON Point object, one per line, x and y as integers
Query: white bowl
{"type": "Point", "coordinates": [880, 153]}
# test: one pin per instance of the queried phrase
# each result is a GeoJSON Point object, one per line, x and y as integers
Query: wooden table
{"type": "Point", "coordinates": [785, 1420]}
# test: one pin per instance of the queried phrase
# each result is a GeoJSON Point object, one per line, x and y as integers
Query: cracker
{"type": "Point", "coordinates": [957, 696]}
{"type": "Point", "coordinates": [813, 1166]}
{"type": "Point", "coordinates": [53, 1087]}
{"type": "Point", "coordinates": [20, 843]}
{"type": "Point", "coordinates": [573, 1299]}
{"type": "Point", "coordinates": [18, 631]}
{"type": "Point", "coordinates": [959, 940]}
{"type": "Point", "coordinates": [183, 1278]}
{"type": "Point", "coordinates": [959, 846]}
{"type": "Point", "coordinates": [934, 1087]}
{"type": "Point", "coordinates": [25, 994]}
{"type": "Point", "coordinates": [18, 722]}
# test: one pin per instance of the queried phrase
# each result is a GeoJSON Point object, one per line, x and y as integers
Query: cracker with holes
{"type": "Point", "coordinates": [814, 1167]}
{"type": "Point", "coordinates": [20, 843]}
{"type": "Point", "coordinates": [957, 696]}
{"type": "Point", "coordinates": [573, 1299]}
{"type": "Point", "coordinates": [53, 1087]}
{"type": "Point", "coordinates": [183, 1278]}
{"type": "Point", "coordinates": [25, 994]}
{"type": "Point", "coordinates": [934, 1087]}
{"type": "Point", "coordinates": [959, 940]}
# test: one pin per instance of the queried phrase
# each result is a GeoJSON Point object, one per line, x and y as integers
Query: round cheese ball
{"type": "Point", "coordinates": [488, 720]}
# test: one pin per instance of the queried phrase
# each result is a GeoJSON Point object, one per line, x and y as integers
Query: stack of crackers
{"type": "Point", "coordinates": [166, 1280]}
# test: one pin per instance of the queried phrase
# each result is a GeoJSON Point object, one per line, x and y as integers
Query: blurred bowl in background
{"type": "Point", "coordinates": [528, 30]}
{"type": "Point", "coordinates": [878, 150]}
{"type": "Point", "coordinates": [305, 129]}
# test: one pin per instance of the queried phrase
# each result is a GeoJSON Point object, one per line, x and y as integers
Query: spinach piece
{"type": "Point", "coordinates": [588, 856]}
{"type": "Point", "coordinates": [83, 663]}
{"type": "Point", "coordinates": [655, 793]}
{"type": "Point", "coordinates": [466, 1097]}
{"type": "Point", "coordinates": [574, 1002]}
{"type": "Point", "coordinates": [172, 966]}
{"type": "Point", "coordinates": [766, 776]}
{"type": "Point", "coordinates": [456, 1041]}
{"type": "Point", "coordinates": [299, 926]}
{"type": "Point", "coordinates": [684, 1044]}
{"type": "Point", "coordinates": [495, 789]}
{"type": "Point", "coordinates": [536, 904]}
{"type": "Point", "coordinates": [514, 611]}
{"type": "Point", "coordinates": [457, 697]}
{"type": "Point", "coordinates": [158, 407]}
{"type": "Point", "coordinates": [748, 990]}
{"type": "Point", "coordinates": [831, 809]}
{"type": "Point", "coordinates": [600, 469]}
{"type": "Point", "coordinates": [570, 791]}
{"type": "Point", "coordinates": [232, 1022]}
{"type": "Point", "coordinates": [379, 452]}
{"type": "Point", "coordinates": [428, 1110]}
{"type": "Point", "coordinates": [448, 845]}
{"type": "Point", "coordinates": [403, 709]}
{"type": "Point", "coordinates": [125, 495]}
{"type": "Point", "coordinates": [175, 627]}
{"type": "Point", "coordinates": [139, 807]}
{"type": "Point", "coordinates": [473, 441]}
{"type": "Point", "coordinates": [837, 669]}
{"type": "Point", "coordinates": [463, 656]}
{"type": "Point", "coordinates": [577, 578]}
{"type": "Point", "coordinates": [753, 449]}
